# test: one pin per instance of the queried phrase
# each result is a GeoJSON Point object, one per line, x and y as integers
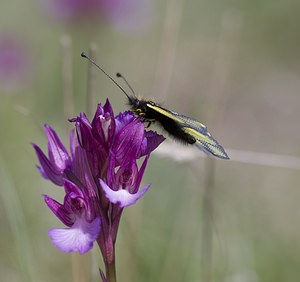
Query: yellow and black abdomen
{"type": "Point", "coordinates": [169, 122]}
{"type": "Point", "coordinates": [182, 128]}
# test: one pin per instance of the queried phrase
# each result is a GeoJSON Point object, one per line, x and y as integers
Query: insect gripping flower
{"type": "Point", "coordinates": [100, 177]}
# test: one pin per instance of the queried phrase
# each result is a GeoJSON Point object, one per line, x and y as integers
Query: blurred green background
{"type": "Point", "coordinates": [233, 65]}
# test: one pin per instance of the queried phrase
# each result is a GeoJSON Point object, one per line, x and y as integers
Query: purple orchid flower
{"type": "Point", "coordinates": [58, 162]}
{"type": "Point", "coordinates": [100, 176]}
{"type": "Point", "coordinates": [77, 214]}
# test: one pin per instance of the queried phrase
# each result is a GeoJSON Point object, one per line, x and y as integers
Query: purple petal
{"type": "Point", "coordinates": [59, 210]}
{"type": "Point", "coordinates": [99, 112]}
{"type": "Point", "coordinates": [123, 119]}
{"type": "Point", "coordinates": [85, 175]}
{"type": "Point", "coordinates": [101, 126]}
{"type": "Point", "coordinates": [84, 132]}
{"type": "Point", "coordinates": [128, 141]}
{"type": "Point", "coordinates": [108, 108]}
{"type": "Point", "coordinates": [141, 173]}
{"type": "Point", "coordinates": [123, 197]}
{"type": "Point", "coordinates": [43, 173]}
{"type": "Point", "coordinates": [106, 129]}
{"type": "Point", "coordinates": [126, 176]}
{"type": "Point", "coordinates": [104, 123]}
{"type": "Point", "coordinates": [79, 238]}
{"type": "Point", "coordinates": [151, 141]}
{"type": "Point", "coordinates": [47, 168]}
{"type": "Point", "coordinates": [78, 202]}
{"type": "Point", "coordinates": [103, 278]}
{"type": "Point", "coordinates": [70, 187]}
{"type": "Point", "coordinates": [73, 142]}
{"type": "Point", "coordinates": [111, 175]}
{"type": "Point", "coordinates": [58, 154]}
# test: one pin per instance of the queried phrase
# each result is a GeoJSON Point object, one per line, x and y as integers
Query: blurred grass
{"type": "Point", "coordinates": [244, 54]}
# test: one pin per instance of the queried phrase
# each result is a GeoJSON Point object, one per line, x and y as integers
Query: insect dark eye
{"type": "Point", "coordinates": [136, 103]}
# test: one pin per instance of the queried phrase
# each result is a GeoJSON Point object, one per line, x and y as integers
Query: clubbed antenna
{"type": "Point", "coordinates": [125, 80]}
{"type": "Point", "coordinates": [84, 55]}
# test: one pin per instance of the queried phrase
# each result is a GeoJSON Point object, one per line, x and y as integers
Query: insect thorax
{"type": "Point", "coordinates": [139, 107]}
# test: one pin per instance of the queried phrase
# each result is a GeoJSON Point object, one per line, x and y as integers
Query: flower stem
{"type": "Point", "coordinates": [107, 248]}
{"type": "Point", "coordinates": [110, 269]}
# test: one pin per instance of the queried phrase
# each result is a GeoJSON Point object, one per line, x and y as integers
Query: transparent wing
{"type": "Point", "coordinates": [204, 140]}
{"type": "Point", "coordinates": [206, 143]}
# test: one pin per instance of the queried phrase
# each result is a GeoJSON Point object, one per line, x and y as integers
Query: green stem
{"type": "Point", "coordinates": [110, 269]}
{"type": "Point", "coordinates": [108, 253]}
